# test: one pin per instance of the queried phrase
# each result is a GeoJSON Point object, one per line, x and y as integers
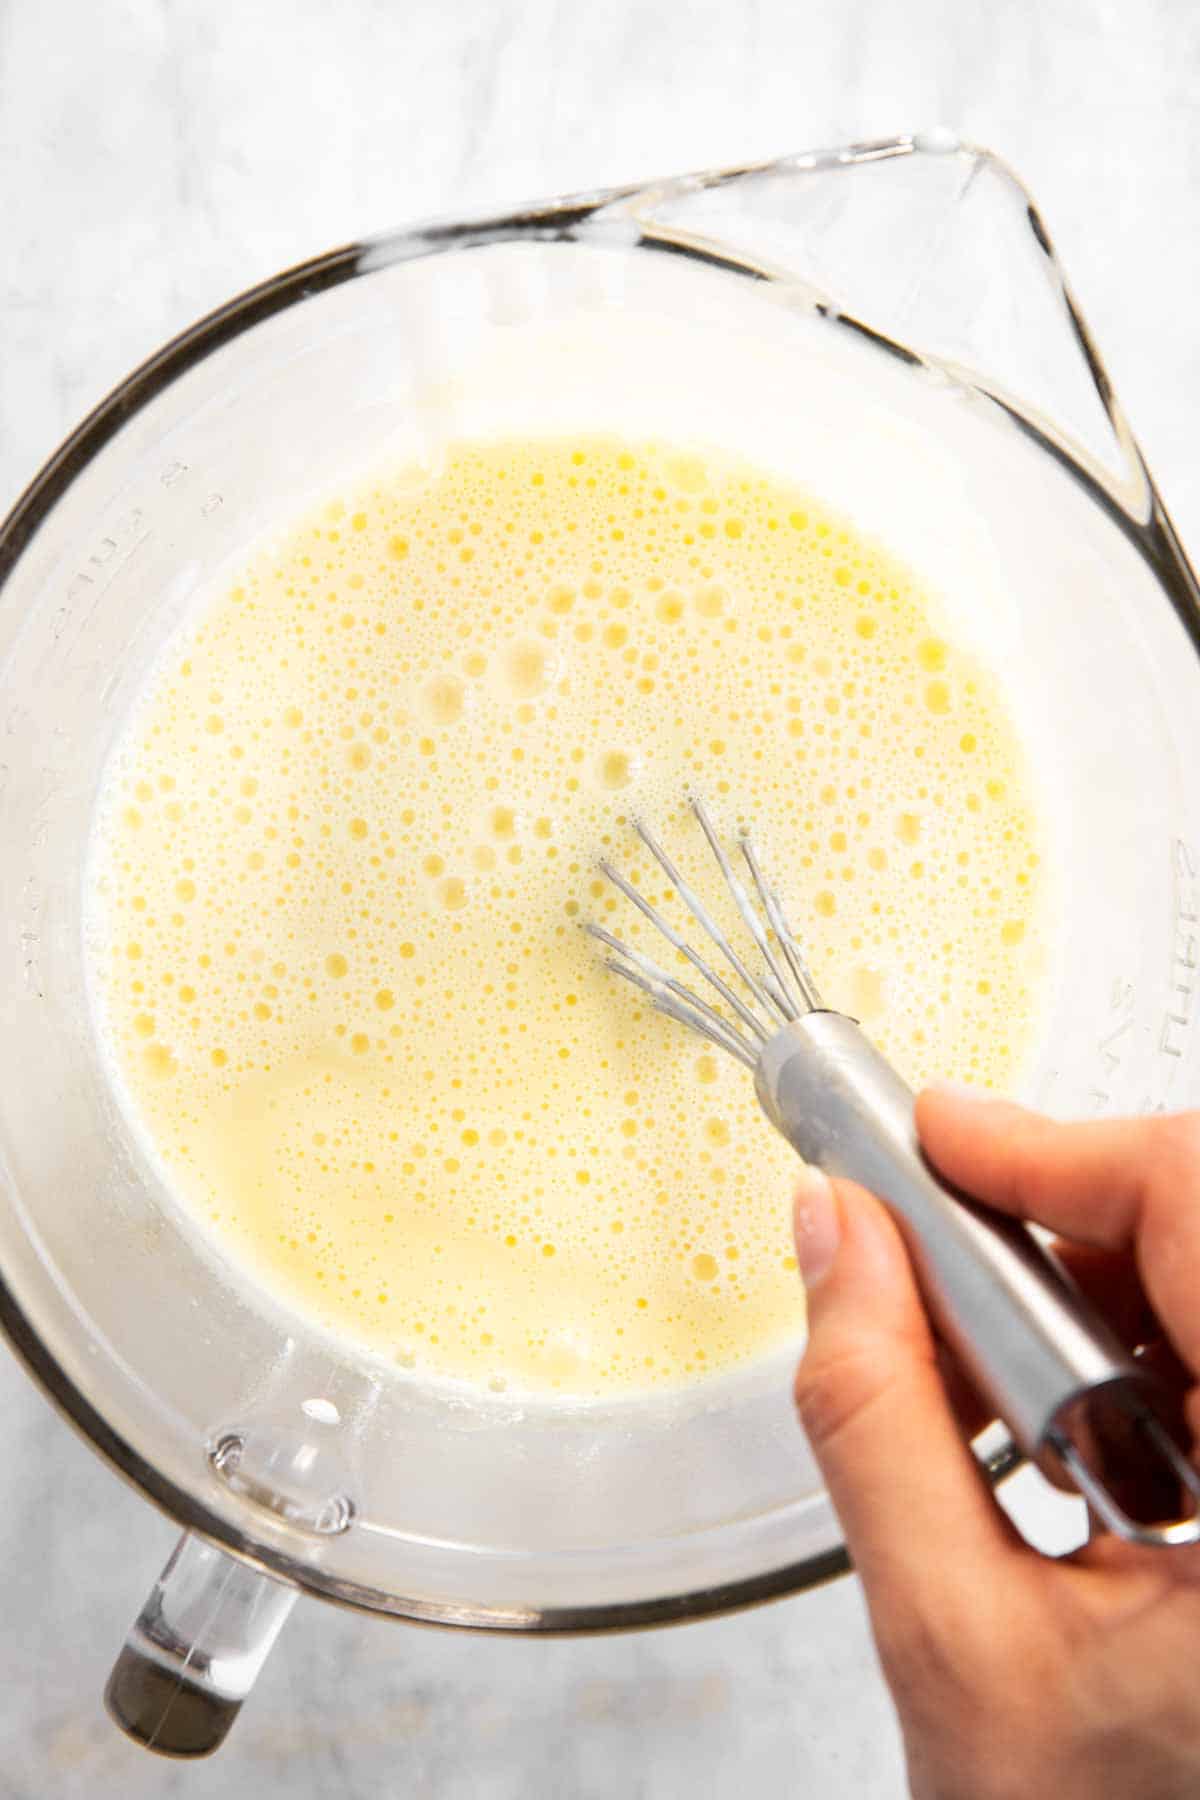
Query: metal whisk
{"type": "Point", "coordinates": [1073, 1397]}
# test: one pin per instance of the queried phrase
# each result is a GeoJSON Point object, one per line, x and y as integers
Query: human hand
{"type": "Point", "coordinates": [1013, 1674]}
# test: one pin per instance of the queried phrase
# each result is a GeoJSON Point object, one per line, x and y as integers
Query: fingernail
{"type": "Point", "coordinates": [818, 1229]}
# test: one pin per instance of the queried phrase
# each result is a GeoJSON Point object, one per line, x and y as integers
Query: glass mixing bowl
{"type": "Point", "coordinates": [888, 325]}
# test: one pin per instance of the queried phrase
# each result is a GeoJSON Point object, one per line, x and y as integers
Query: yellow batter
{"type": "Point", "coordinates": [351, 833]}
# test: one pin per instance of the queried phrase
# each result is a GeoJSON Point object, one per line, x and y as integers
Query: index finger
{"type": "Point", "coordinates": [1091, 1182]}
{"type": "Point", "coordinates": [1108, 1183]}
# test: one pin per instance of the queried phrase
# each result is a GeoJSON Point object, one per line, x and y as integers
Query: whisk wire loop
{"type": "Point", "coordinates": [782, 992]}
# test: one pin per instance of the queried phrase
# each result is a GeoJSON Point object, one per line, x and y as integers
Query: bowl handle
{"type": "Point", "coordinates": [195, 1650]}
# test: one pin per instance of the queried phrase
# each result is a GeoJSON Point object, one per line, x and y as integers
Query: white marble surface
{"type": "Point", "coordinates": [157, 155]}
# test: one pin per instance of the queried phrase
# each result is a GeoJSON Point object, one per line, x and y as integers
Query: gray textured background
{"type": "Point", "coordinates": [156, 156]}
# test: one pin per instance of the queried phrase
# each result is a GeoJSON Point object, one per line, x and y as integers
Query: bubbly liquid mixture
{"type": "Point", "coordinates": [351, 834]}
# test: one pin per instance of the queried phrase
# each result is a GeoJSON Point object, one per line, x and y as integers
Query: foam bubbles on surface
{"type": "Point", "coordinates": [351, 833]}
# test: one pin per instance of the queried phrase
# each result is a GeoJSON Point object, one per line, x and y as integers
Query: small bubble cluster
{"type": "Point", "coordinates": [351, 832]}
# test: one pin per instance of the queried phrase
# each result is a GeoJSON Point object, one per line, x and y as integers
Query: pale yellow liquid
{"type": "Point", "coordinates": [351, 835]}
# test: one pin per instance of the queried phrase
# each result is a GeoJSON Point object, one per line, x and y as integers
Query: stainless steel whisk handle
{"type": "Point", "coordinates": [1030, 1342]}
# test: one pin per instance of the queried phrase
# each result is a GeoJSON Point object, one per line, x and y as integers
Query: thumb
{"type": "Point", "coordinates": [909, 1494]}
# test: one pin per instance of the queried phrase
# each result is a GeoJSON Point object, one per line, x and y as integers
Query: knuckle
{"type": "Point", "coordinates": [918, 1652]}
{"type": "Point", "coordinates": [1030, 1185]}
{"type": "Point", "coordinates": [833, 1388]}
{"type": "Point", "coordinates": [946, 1679]}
